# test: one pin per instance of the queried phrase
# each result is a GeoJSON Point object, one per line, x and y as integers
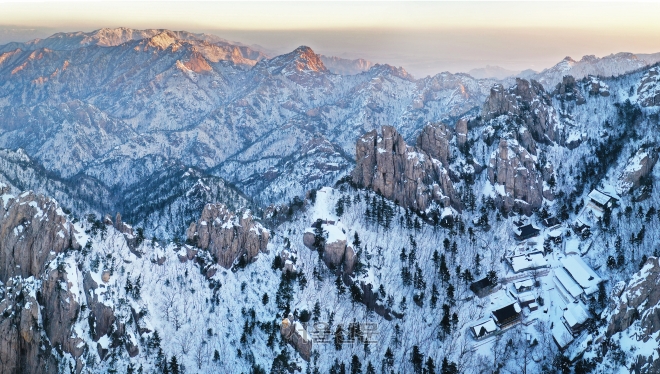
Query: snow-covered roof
{"type": "Point", "coordinates": [575, 314]}
{"type": "Point", "coordinates": [528, 261]}
{"type": "Point", "coordinates": [526, 297]}
{"type": "Point", "coordinates": [525, 283]}
{"type": "Point", "coordinates": [573, 246]}
{"type": "Point", "coordinates": [488, 325]}
{"type": "Point", "coordinates": [599, 197]}
{"type": "Point", "coordinates": [506, 313]}
{"type": "Point", "coordinates": [556, 233]}
{"type": "Point", "coordinates": [582, 273]}
{"type": "Point", "coordinates": [568, 283]}
{"type": "Point", "coordinates": [561, 335]}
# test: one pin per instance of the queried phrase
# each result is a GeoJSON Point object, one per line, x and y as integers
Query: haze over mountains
{"type": "Point", "coordinates": [176, 202]}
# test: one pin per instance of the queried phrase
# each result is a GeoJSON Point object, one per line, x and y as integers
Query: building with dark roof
{"type": "Point", "coordinates": [526, 232]}
{"type": "Point", "coordinates": [551, 222]}
{"type": "Point", "coordinates": [483, 287]}
{"type": "Point", "coordinates": [507, 315]}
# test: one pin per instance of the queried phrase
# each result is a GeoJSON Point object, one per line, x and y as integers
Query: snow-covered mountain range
{"type": "Point", "coordinates": [277, 217]}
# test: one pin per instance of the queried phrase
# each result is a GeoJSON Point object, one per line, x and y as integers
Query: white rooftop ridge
{"type": "Point", "coordinates": [528, 261]}
{"type": "Point", "coordinates": [599, 197]}
{"type": "Point", "coordinates": [488, 324]}
{"type": "Point", "coordinates": [570, 285]}
{"type": "Point", "coordinates": [523, 283]}
{"type": "Point", "coordinates": [582, 273]}
{"type": "Point", "coordinates": [575, 315]}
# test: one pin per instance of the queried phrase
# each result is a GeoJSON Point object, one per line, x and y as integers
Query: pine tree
{"type": "Point", "coordinates": [339, 208]}
{"type": "Point", "coordinates": [436, 260]}
{"type": "Point", "coordinates": [174, 366]}
{"type": "Point", "coordinates": [356, 365]}
{"type": "Point", "coordinates": [339, 283]}
{"type": "Point", "coordinates": [370, 368]}
{"type": "Point", "coordinates": [264, 299]}
{"type": "Point", "coordinates": [396, 339]}
{"type": "Point", "coordinates": [339, 338]}
{"type": "Point", "coordinates": [356, 293]}
{"type": "Point", "coordinates": [316, 312]}
{"type": "Point", "coordinates": [448, 367]}
{"type": "Point", "coordinates": [450, 294]}
{"type": "Point", "coordinates": [388, 361]}
{"type": "Point", "coordinates": [430, 366]}
{"type": "Point", "coordinates": [417, 359]}
{"type": "Point", "coordinates": [444, 271]}
{"type": "Point", "coordinates": [445, 322]}
{"type": "Point", "coordinates": [356, 241]}
{"type": "Point", "coordinates": [434, 296]}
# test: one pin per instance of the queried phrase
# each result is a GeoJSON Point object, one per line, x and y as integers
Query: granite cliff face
{"type": "Point", "coordinates": [528, 106]}
{"type": "Point", "coordinates": [648, 89]}
{"type": "Point", "coordinates": [636, 305]}
{"type": "Point", "coordinates": [638, 301]}
{"type": "Point", "coordinates": [229, 237]}
{"type": "Point", "coordinates": [409, 175]}
{"type": "Point", "coordinates": [38, 284]}
{"type": "Point", "coordinates": [33, 230]}
{"type": "Point", "coordinates": [638, 167]}
{"type": "Point", "coordinates": [518, 185]}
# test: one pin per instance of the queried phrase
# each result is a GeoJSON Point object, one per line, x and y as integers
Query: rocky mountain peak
{"type": "Point", "coordinates": [304, 59]}
{"type": "Point", "coordinates": [530, 106]}
{"type": "Point", "coordinates": [406, 174]}
{"type": "Point", "coordinates": [163, 40]}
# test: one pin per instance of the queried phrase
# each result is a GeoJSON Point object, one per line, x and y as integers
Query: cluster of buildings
{"type": "Point", "coordinates": [576, 283]}
{"type": "Point", "coordinates": [598, 201]}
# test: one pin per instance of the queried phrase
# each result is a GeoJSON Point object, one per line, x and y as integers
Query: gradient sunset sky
{"type": "Point", "coordinates": [423, 37]}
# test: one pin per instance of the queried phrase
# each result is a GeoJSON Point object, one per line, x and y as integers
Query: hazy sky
{"type": "Point", "coordinates": [423, 37]}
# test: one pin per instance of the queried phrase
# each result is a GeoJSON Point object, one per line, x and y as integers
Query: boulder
{"type": "Point", "coordinates": [295, 333]}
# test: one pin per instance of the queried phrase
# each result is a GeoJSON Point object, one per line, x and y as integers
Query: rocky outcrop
{"type": "Point", "coordinates": [295, 333]}
{"type": "Point", "coordinates": [33, 230]}
{"type": "Point", "coordinates": [639, 302]}
{"type": "Point", "coordinates": [597, 87]}
{"type": "Point", "coordinates": [638, 167]}
{"type": "Point", "coordinates": [434, 140]}
{"type": "Point", "coordinates": [20, 341]}
{"type": "Point", "coordinates": [568, 90]}
{"type": "Point", "coordinates": [336, 252]}
{"type": "Point", "coordinates": [518, 185]}
{"type": "Point", "coordinates": [461, 132]}
{"type": "Point", "coordinates": [39, 306]}
{"type": "Point", "coordinates": [529, 108]}
{"type": "Point", "coordinates": [123, 227]}
{"type": "Point", "coordinates": [648, 91]}
{"type": "Point", "coordinates": [405, 174]}
{"type": "Point", "coordinates": [227, 235]}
